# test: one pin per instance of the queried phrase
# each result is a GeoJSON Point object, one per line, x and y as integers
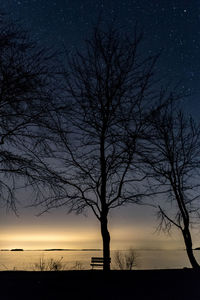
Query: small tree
{"type": "Point", "coordinates": [173, 160]}
{"type": "Point", "coordinates": [110, 88]}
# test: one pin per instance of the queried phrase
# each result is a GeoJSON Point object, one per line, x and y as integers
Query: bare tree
{"type": "Point", "coordinates": [111, 90]}
{"type": "Point", "coordinates": [26, 88]}
{"type": "Point", "coordinates": [173, 160]}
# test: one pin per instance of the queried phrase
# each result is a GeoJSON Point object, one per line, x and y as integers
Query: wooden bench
{"type": "Point", "coordinates": [98, 262]}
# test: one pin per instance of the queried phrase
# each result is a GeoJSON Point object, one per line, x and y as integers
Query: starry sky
{"type": "Point", "coordinates": [168, 25]}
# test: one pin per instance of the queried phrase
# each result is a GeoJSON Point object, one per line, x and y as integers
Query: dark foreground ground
{"type": "Point", "coordinates": [150, 284]}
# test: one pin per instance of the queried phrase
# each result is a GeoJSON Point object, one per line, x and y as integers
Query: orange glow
{"type": "Point", "coordinates": [44, 237]}
{"type": "Point", "coordinates": [122, 237]}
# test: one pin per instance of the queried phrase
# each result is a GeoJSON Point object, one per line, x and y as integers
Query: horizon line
{"type": "Point", "coordinates": [92, 249]}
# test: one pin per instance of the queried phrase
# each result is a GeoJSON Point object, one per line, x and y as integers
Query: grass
{"type": "Point", "coordinates": [179, 284]}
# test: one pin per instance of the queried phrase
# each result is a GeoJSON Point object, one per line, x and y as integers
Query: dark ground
{"type": "Point", "coordinates": [92, 284]}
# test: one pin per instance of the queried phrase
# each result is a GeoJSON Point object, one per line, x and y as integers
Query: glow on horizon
{"type": "Point", "coordinates": [42, 237]}
{"type": "Point", "coordinates": [121, 238]}
{"type": "Point", "coordinates": [43, 240]}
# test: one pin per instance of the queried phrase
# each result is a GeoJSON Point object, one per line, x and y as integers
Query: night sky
{"type": "Point", "coordinates": [170, 26]}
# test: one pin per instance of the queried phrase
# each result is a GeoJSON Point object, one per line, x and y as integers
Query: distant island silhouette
{"type": "Point", "coordinates": [17, 250]}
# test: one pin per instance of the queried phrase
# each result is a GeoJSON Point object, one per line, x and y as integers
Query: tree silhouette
{"type": "Point", "coordinates": [26, 87]}
{"type": "Point", "coordinates": [110, 90]}
{"type": "Point", "coordinates": [173, 160]}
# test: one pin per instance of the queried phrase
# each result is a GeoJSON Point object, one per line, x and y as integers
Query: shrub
{"type": "Point", "coordinates": [49, 265]}
{"type": "Point", "coordinates": [125, 260]}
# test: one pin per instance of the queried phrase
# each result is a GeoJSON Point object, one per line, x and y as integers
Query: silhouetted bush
{"type": "Point", "coordinates": [125, 260]}
{"type": "Point", "coordinates": [49, 265]}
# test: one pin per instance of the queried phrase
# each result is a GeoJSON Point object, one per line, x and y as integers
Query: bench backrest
{"type": "Point", "coordinates": [98, 260]}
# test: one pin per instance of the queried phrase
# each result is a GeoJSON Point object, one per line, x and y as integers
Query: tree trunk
{"type": "Point", "coordinates": [106, 243]}
{"type": "Point", "coordinates": [188, 244]}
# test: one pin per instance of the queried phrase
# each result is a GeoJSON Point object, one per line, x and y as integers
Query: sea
{"type": "Point", "coordinates": [80, 259]}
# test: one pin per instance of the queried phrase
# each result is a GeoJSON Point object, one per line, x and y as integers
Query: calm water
{"type": "Point", "coordinates": [146, 259]}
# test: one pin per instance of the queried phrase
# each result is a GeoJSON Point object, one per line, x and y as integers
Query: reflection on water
{"type": "Point", "coordinates": [146, 259]}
